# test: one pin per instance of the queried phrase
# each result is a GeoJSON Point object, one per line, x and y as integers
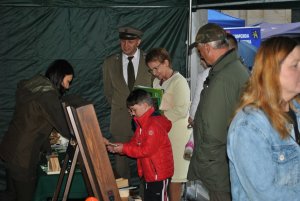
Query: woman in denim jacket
{"type": "Point", "coordinates": [263, 142]}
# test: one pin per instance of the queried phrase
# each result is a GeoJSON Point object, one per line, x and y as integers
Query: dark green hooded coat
{"type": "Point", "coordinates": [37, 111]}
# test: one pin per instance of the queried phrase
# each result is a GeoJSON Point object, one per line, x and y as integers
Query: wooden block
{"type": "Point", "coordinates": [124, 198]}
{"type": "Point", "coordinates": [124, 193]}
{"type": "Point", "coordinates": [121, 182]}
{"type": "Point", "coordinates": [134, 198]}
{"type": "Point", "coordinates": [53, 164]}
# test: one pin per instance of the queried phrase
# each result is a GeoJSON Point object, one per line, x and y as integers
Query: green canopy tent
{"type": "Point", "coordinates": [34, 33]}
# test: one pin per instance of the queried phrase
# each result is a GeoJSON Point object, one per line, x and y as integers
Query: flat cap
{"type": "Point", "coordinates": [129, 33]}
{"type": "Point", "coordinates": [210, 32]}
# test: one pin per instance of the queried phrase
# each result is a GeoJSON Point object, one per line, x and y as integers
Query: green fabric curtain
{"type": "Point", "coordinates": [31, 37]}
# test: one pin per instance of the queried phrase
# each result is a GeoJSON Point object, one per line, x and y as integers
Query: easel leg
{"type": "Point", "coordinates": [62, 174]}
{"type": "Point", "coordinates": [71, 155]}
{"type": "Point", "coordinates": [71, 173]}
{"type": "Point", "coordinates": [85, 177]}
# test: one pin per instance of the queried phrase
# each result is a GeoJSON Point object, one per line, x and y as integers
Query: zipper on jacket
{"type": "Point", "coordinates": [154, 170]}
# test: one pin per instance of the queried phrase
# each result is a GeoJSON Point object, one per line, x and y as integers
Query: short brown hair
{"type": "Point", "coordinates": [158, 54]}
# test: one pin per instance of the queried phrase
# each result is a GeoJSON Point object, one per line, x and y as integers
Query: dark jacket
{"type": "Point", "coordinates": [152, 147]}
{"type": "Point", "coordinates": [37, 111]}
{"type": "Point", "coordinates": [219, 97]}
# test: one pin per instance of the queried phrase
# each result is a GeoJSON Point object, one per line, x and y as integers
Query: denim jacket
{"type": "Point", "coordinates": [263, 166]}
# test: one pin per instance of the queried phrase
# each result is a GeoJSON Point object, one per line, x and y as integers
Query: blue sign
{"type": "Point", "coordinates": [248, 34]}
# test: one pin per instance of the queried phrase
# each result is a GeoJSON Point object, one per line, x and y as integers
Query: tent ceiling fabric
{"type": "Point", "coordinates": [197, 4]}
{"type": "Point", "coordinates": [97, 3]}
{"type": "Point", "coordinates": [287, 29]}
{"type": "Point", "coordinates": [253, 4]}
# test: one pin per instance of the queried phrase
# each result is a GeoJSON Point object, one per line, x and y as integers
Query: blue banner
{"type": "Point", "coordinates": [249, 34]}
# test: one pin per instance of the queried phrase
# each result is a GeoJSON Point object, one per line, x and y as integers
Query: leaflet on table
{"type": "Point", "coordinates": [155, 93]}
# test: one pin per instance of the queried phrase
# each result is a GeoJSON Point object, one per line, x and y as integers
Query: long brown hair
{"type": "Point", "coordinates": [263, 89]}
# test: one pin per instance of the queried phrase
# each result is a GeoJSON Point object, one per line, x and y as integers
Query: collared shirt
{"type": "Point", "coordinates": [135, 61]}
{"type": "Point", "coordinates": [196, 99]}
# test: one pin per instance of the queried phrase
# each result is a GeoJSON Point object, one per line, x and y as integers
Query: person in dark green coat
{"type": "Point", "coordinates": [38, 110]}
{"type": "Point", "coordinates": [219, 97]}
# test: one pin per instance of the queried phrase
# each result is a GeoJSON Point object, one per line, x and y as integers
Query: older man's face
{"type": "Point", "coordinates": [129, 47]}
{"type": "Point", "coordinates": [202, 61]}
{"type": "Point", "coordinates": [203, 52]}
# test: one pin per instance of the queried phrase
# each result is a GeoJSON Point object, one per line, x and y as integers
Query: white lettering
{"type": "Point", "coordinates": [237, 36]}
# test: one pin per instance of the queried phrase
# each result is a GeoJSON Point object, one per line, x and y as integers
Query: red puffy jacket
{"type": "Point", "coordinates": [152, 147]}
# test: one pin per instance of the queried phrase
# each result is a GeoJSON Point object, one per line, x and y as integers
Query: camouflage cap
{"type": "Point", "coordinates": [129, 33]}
{"type": "Point", "coordinates": [210, 32]}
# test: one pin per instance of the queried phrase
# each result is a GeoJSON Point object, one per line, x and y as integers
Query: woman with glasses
{"type": "Point", "coordinates": [175, 106]}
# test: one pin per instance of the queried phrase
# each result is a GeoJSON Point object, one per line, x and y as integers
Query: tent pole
{"type": "Point", "coordinates": [188, 61]}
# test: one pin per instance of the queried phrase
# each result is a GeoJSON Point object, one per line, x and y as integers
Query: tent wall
{"type": "Point", "coordinates": [33, 36]}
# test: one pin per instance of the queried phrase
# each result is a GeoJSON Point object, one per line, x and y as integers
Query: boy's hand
{"type": "Point", "coordinates": [115, 148]}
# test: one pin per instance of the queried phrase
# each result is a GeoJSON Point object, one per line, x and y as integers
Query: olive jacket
{"type": "Point", "coordinates": [219, 97]}
{"type": "Point", "coordinates": [116, 92]}
{"type": "Point", "coordinates": [37, 111]}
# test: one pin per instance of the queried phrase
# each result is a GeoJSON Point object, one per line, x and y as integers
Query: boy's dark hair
{"type": "Point", "coordinates": [139, 96]}
{"type": "Point", "coordinates": [56, 72]}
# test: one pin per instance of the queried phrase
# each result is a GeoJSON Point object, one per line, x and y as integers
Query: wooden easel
{"type": "Point", "coordinates": [88, 149]}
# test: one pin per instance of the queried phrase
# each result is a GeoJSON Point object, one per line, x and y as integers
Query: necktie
{"type": "Point", "coordinates": [130, 74]}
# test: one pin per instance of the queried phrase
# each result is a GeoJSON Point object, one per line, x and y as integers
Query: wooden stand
{"type": "Point", "coordinates": [87, 147]}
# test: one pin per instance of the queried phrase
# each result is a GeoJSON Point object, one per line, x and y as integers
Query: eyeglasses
{"type": "Point", "coordinates": [154, 69]}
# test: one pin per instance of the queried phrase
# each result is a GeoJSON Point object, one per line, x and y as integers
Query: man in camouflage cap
{"type": "Point", "coordinates": [210, 32]}
{"type": "Point", "coordinates": [117, 87]}
{"type": "Point", "coordinates": [219, 97]}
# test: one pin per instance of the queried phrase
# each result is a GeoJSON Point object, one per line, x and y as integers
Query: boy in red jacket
{"type": "Point", "coordinates": [150, 145]}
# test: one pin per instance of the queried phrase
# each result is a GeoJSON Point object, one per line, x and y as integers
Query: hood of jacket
{"type": "Point", "coordinates": [31, 88]}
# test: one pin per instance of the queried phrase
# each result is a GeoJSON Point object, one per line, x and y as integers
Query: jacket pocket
{"type": "Point", "coordinates": [286, 159]}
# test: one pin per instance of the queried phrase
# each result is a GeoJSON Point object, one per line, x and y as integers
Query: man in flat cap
{"type": "Point", "coordinates": [219, 97]}
{"type": "Point", "coordinates": [120, 73]}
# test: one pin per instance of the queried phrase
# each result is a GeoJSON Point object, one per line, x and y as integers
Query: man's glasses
{"type": "Point", "coordinates": [154, 69]}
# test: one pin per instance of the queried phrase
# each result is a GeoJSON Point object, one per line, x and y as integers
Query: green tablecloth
{"type": "Point", "coordinates": [47, 184]}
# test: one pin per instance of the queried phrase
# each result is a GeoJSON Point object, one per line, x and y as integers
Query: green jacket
{"type": "Point", "coordinates": [219, 97]}
{"type": "Point", "coordinates": [37, 111]}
